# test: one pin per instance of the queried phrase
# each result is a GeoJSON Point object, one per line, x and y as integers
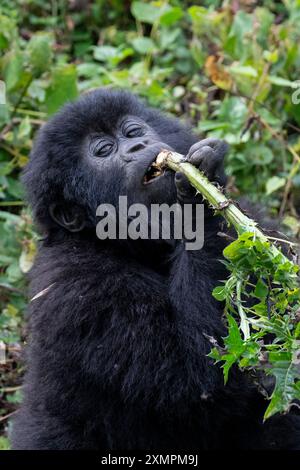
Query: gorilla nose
{"type": "Point", "coordinates": [136, 147]}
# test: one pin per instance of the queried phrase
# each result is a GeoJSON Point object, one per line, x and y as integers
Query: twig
{"type": "Point", "coordinates": [11, 203]}
{"type": "Point", "coordinates": [4, 418]}
{"type": "Point", "coordinates": [11, 389]}
{"type": "Point", "coordinates": [281, 240]}
{"type": "Point", "coordinates": [258, 87]}
{"type": "Point", "coordinates": [262, 105]}
{"type": "Point", "coordinates": [295, 168]}
{"type": "Point", "coordinates": [11, 289]}
{"type": "Point", "coordinates": [13, 152]}
{"type": "Point", "coordinates": [29, 112]}
{"type": "Point", "coordinates": [24, 91]}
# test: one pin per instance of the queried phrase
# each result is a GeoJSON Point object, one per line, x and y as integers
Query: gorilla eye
{"type": "Point", "coordinates": [133, 130]}
{"type": "Point", "coordinates": [103, 148]}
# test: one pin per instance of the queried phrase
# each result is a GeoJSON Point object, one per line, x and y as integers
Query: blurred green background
{"type": "Point", "coordinates": [230, 69]}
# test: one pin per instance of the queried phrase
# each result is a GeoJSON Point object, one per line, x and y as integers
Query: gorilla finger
{"type": "Point", "coordinates": [201, 155]}
{"type": "Point", "coordinates": [206, 160]}
{"type": "Point", "coordinates": [183, 185]}
{"type": "Point", "coordinates": [219, 146]}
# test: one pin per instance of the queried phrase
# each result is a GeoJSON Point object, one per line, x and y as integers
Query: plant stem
{"type": "Point", "coordinates": [215, 197]}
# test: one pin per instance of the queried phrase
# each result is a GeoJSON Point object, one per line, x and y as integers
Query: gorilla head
{"type": "Point", "coordinates": [96, 149]}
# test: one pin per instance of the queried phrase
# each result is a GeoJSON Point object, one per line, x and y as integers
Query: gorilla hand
{"type": "Point", "coordinates": [206, 155]}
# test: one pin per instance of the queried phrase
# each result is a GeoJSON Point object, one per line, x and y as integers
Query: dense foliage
{"type": "Point", "coordinates": [228, 68]}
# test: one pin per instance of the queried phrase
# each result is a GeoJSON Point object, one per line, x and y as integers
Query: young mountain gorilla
{"type": "Point", "coordinates": [119, 329]}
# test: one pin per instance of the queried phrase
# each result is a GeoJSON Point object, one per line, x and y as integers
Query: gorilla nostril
{"type": "Point", "coordinates": [136, 148]}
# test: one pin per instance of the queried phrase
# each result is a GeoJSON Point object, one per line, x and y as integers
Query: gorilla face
{"type": "Point", "coordinates": [130, 150]}
{"type": "Point", "coordinates": [96, 149]}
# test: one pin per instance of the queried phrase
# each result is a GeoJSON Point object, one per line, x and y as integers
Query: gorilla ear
{"type": "Point", "coordinates": [70, 217]}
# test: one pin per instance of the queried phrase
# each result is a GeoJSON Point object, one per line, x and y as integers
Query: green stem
{"type": "Point", "coordinates": [215, 197]}
{"type": "Point", "coordinates": [11, 203]}
{"type": "Point", "coordinates": [24, 91]}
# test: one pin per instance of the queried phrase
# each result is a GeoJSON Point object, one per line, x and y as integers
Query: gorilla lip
{"type": "Point", "coordinates": [153, 171]}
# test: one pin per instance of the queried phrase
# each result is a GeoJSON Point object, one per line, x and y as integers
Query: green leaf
{"type": "Point", "coordinates": [105, 53]}
{"type": "Point", "coordinates": [15, 398]}
{"type": "Point", "coordinates": [234, 111]}
{"type": "Point", "coordinates": [15, 188]}
{"type": "Point", "coordinates": [112, 55]}
{"type": "Point", "coordinates": [285, 373]}
{"type": "Point", "coordinates": [234, 344]}
{"type": "Point", "coordinates": [40, 53]}
{"type": "Point", "coordinates": [274, 183]}
{"type": "Point", "coordinates": [7, 31]}
{"type": "Point", "coordinates": [198, 13]}
{"type": "Point", "coordinates": [232, 251]}
{"type": "Point", "coordinates": [282, 82]}
{"type": "Point", "coordinates": [146, 12]}
{"type": "Point", "coordinates": [171, 16]}
{"type": "Point", "coordinates": [24, 131]}
{"type": "Point", "coordinates": [261, 290]}
{"type": "Point", "coordinates": [13, 69]}
{"type": "Point", "coordinates": [27, 258]}
{"type": "Point", "coordinates": [259, 154]}
{"type": "Point", "coordinates": [63, 87]}
{"type": "Point", "coordinates": [244, 70]}
{"type": "Point", "coordinates": [219, 293]}
{"type": "Point", "coordinates": [271, 56]}
{"type": "Point", "coordinates": [4, 443]}
{"type": "Point", "coordinates": [143, 45]}
{"type": "Point", "coordinates": [168, 37]}
{"type": "Point", "coordinates": [236, 43]}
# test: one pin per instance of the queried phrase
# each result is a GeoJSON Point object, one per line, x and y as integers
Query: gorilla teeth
{"type": "Point", "coordinates": [152, 172]}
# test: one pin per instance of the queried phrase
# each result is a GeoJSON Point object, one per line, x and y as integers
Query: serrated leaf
{"type": "Point", "coordinates": [234, 345]}
{"type": "Point", "coordinates": [234, 339]}
{"type": "Point", "coordinates": [286, 374]}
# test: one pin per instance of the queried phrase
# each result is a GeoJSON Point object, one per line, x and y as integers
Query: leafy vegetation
{"type": "Point", "coordinates": [267, 335]}
{"type": "Point", "coordinates": [262, 292]}
{"type": "Point", "coordinates": [229, 68]}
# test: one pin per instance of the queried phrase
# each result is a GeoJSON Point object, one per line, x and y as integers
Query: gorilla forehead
{"type": "Point", "coordinates": [101, 111]}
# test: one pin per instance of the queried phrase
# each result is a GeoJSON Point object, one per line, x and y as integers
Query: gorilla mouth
{"type": "Point", "coordinates": [153, 172]}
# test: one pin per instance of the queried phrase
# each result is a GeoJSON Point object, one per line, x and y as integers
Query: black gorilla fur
{"type": "Point", "coordinates": [117, 357]}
